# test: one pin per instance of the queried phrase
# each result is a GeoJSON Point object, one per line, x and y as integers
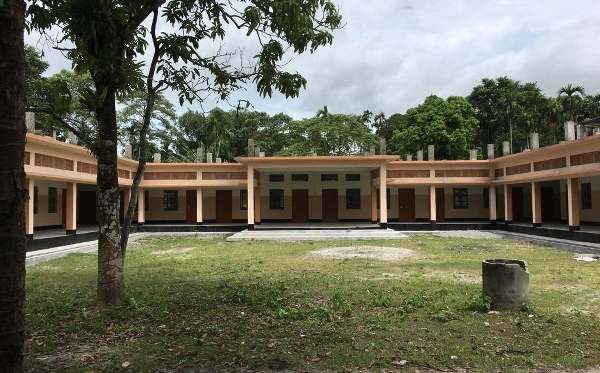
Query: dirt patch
{"type": "Point", "coordinates": [471, 248]}
{"type": "Point", "coordinates": [470, 278]}
{"type": "Point", "coordinates": [179, 250]}
{"type": "Point", "coordinates": [364, 252]}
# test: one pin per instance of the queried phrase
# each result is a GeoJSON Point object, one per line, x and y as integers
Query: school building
{"type": "Point", "coordinates": [554, 187]}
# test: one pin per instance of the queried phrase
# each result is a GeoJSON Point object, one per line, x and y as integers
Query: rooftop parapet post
{"type": "Point", "coordinates": [128, 152]}
{"type": "Point", "coordinates": [209, 157]}
{"type": "Point", "coordinates": [535, 141]}
{"type": "Point", "coordinates": [30, 121]}
{"type": "Point", "coordinates": [570, 131]}
{"type": "Point", "coordinates": [505, 148]}
{"type": "Point", "coordinates": [382, 146]}
{"type": "Point", "coordinates": [473, 154]}
{"type": "Point", "coordinates": [419, 155]}
{"type": "Point", "coordinates": [491, 151]}
{"type": "Point", "coordinates": [431, 152]}
{"type": "Point", "coordinates": [581, 131]}
{"type": "Point", "coordinates": [156, 158]}
{"type": "Point", "coordinates": [251, 147]}
{"type": "Point", "coordinates": [409, 157]}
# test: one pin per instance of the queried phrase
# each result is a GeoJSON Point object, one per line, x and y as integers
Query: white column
{"type": "Point", "coordinates": [199, 217]}
{"type": "Point", "coordinates": [573, 203]}
{"type": "Point", "coordinates": [250, 194]}
{"type": "Point", "coordinates": [383, 196]}
{"type": "Point", "coordinates": [492, 202]}
{"type": "Point", "coordinates": [71, 208]}
{"type": "Point", "coordinates": [432, 205]}
{"type": "Point", "coordinates": [141, 206]}
{"type": "Point", "coordinates": [29, 209]}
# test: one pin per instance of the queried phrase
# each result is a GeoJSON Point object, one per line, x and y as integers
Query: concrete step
{"type": "Point", "coordinates": [317, 235]}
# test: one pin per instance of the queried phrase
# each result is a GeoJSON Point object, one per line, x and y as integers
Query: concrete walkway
{"type": "Point", "coordinates": [317, 235]}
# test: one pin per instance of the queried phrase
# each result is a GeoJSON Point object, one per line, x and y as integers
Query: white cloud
{"type": "Point", "coordinates": [393, 53]}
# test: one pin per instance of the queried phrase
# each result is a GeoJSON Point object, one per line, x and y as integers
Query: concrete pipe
{"type": "Point", "coordinates": [506, 282]}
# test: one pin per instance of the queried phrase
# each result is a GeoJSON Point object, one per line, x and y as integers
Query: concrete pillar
{"type": "Point", "coordinates": [29, 215]}
{"type": "Point", "coordinates": [30, 122]}
{"type": "Point", "coordinates": [570, 131]}
{"type": "Point", "coordinates": [250, 147]}
{"type": "Point", "coordinates": [373, 203]}
{"type": "Point", "coordinates": [257, 151]}
{"type": "Point", "coordinates": [581, 134]}
{"type": "Point", "coordinates": [491, 152]}
{"type": "Point", "coordinates": [473, 154]}
{"type": "Point", "coordinates": [409, 157]}
{"type": "Point", "coordinates": [419, 155]}
{"type": "Point", "coordinates": [372, 150]}
{"type": "Point", "coordinates": [141, 206]}
{"type": "Point", "coordinates": [431, 152]}
{"type": "Point", "coordinates": [383, 196]}
{"type": "Point", "coordinates": [505, 148]}
{"type": "Point", "coordinates": [250, 184]}
{"type": "Point", "coordinates": [156, 157]}
{"type": "Point", "coordinates": [573, 203]}
{"type": "Point", "coordinates": [199, 217]}
{"type": "Point", "coordinates": [71, 208]}
{"type": "Point", "coordinates": [73, 138]}
{"type": "Point", "coordinates": [432, 205]}
{"type": "Point", "coordinates": [128, 152]}
{"type": "Point", "coordinates": [492, 203]}
{"type": "Point", "coordinates": [209, 158]}
{"type": "Point", "coordinates": [218, 160]}
{"type": "Point", "coordinates": [535, 141]}
{"type": "Point", "coordinates": [508, 210]}
{"type": "Point", "coordinates": [382, 146]}
{"type": "Point", "coordinates": [536, 203]}
{"type": "Point", "coordinates": [257, 212]}
{"type": "Point", "coordinates": [200, 155]}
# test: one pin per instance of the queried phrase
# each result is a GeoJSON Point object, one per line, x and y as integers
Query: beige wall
{"type": "Point", "coordinates": [586, 215]}
{"type": "Point", "coordinates": [314, 185]}
{"type": "Point", "coordinates": [43, 218]}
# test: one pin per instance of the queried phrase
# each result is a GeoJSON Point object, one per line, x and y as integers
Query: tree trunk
{"type": "Point", "coordinates": [111, 283]}
{"type": "Point", "coordinates": [12, 190]}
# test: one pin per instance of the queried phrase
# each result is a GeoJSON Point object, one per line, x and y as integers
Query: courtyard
{"type": "Point", "coordinates": [208, 305]}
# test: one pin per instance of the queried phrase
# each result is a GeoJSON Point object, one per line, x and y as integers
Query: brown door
{"type": "Point", "coordinates": [440, 204]}
{"type": "Point", "coordinates": [547, 204]}
{"type": "Point", "coordinates": [406, 204]}
{"type": "Point", "coordinates": [517, 203]}
{"type": "Point", "coordinates": [64, 208]}
{"type": "Point", "coordinates": [329, 198]}
{"type": "Point", "coordinates": [224, 206]}
{"type": "Point", "coordinates": [87, 207]}
{"type": "Point", "coordinates": [190, 206]}
{"type": "Point", "coordinates": [300, 205]}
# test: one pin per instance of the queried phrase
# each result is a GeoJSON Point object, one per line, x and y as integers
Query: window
{"type": "Point", "coordinates": [353, 199]}
{"type": "Point", "coordinates": [299, 177]}
{"type": "Point", "coordinates": [243, 199]}
{"type": "Point", "coordinates": [276, 199]}
{"type": "Point", "coordinates": [146, 200]}
{"type": "Point", "coordinates": [461, 198]}
{"type": "Point", "coordinates": [35, 199]}
{"type": "Point", "coordinates": [329, 177]}
{"type": "Point", "coordinates": [276, 178]}
{"type": "Point", "coordinates": [52, 200]}
{"type": "Point", "coordinates": [486, 198]}
{"type": "Point", "coordinates": [352, 177]}
{"type": "Point", "coordinates": [387, 193]}
{"type": "Point", "coordinates": [586, 196]}
{"type": "Point", "coordinates": [170, 200]}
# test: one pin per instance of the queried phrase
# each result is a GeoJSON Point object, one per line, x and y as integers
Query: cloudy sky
{"type": "Point", "coordinates": [391, 54]}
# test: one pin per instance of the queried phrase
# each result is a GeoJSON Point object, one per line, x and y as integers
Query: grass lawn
{"type": "Point", "coordinates": [206, 305]}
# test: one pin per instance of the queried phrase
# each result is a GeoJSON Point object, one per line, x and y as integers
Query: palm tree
{"type": "Point", "coordinates": [570, 96]}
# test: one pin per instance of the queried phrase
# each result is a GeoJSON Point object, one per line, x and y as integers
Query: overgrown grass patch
{"type": "Point", "coordinates": [208, 305]}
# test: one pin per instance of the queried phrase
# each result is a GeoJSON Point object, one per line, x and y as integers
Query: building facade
{"type": "Point", "coordinates": [559, 184]}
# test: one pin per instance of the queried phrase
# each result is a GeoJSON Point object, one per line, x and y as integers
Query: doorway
{"type": "Point", "coordinates": [223, 213]}
{"type": "Point", "coordinates": [329, 203]}
{"type": "Point", "coordinates": [406, 205]}
{"type": "Point", "coordinates": [517, 204]}
{"type": "Point", "coordinates": [300, 205]}
{"type": "Point", "coordinates": [440, 204]}
{"type": "Point", "coordinates": [190, 206]}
